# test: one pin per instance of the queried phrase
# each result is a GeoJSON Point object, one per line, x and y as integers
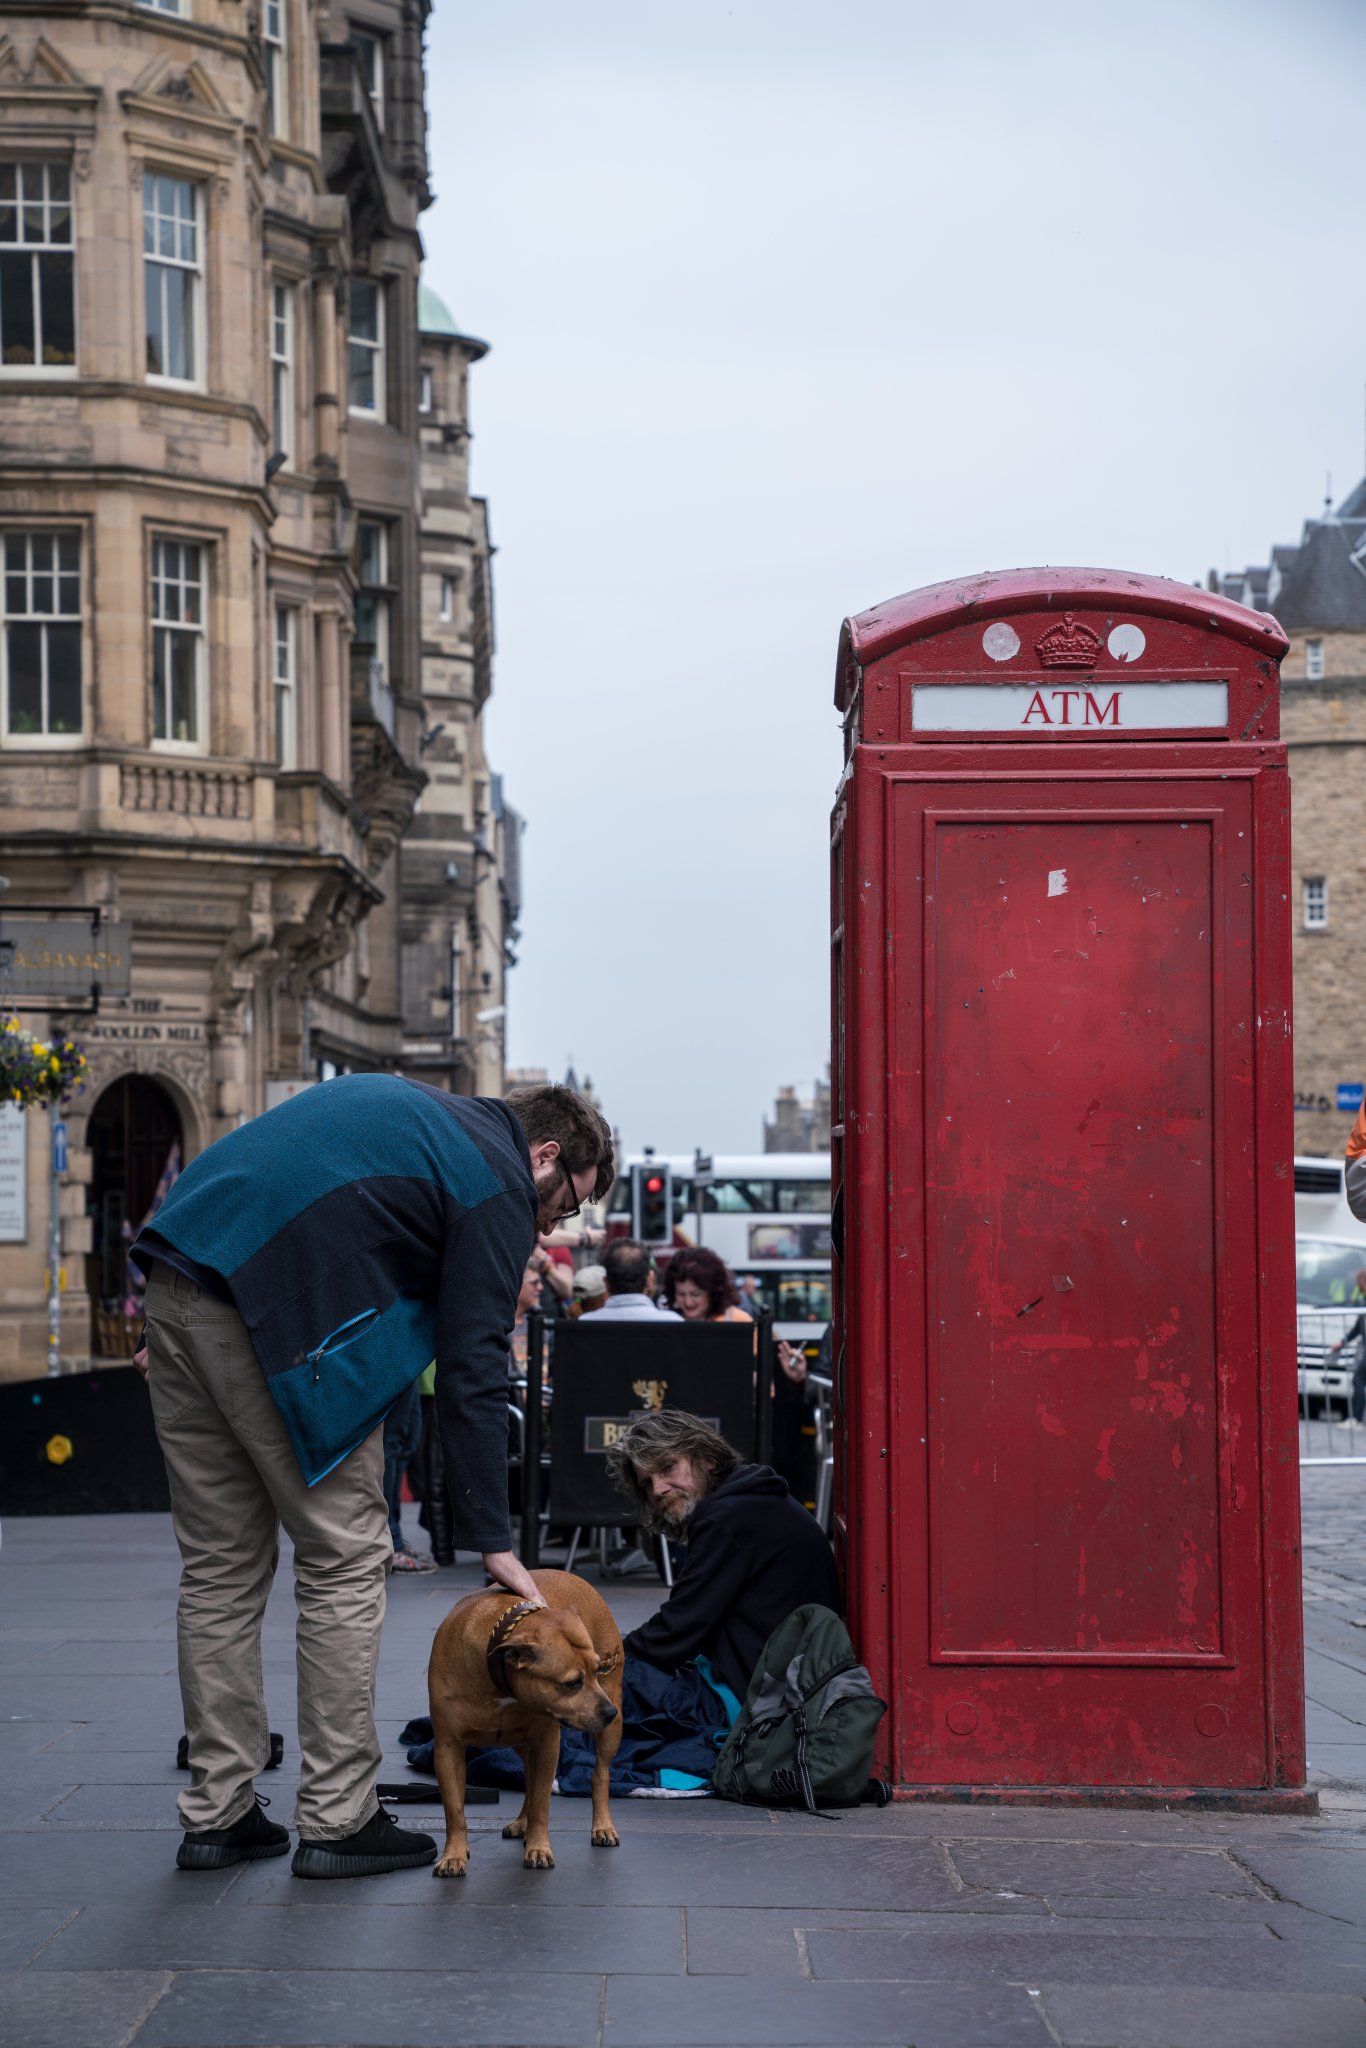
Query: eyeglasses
{"type": "Point", "coordinates": [568, 1215]}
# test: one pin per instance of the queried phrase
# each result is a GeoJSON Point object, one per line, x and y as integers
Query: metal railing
{"type": "Point", "coordinates": [1328, 1434]}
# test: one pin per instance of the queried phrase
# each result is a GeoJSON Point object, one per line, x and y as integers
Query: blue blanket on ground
{"type": "Point", "coordinates": [673, 1727]}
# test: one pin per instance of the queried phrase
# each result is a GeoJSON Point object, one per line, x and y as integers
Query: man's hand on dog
{"type": "Point", "coordinates": [507, 1568]}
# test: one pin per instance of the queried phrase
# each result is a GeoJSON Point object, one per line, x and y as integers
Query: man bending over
{"type": "Point", "coordinates": [301, 1273]}
{"type": "Point", "coordinates": [754, 1554]}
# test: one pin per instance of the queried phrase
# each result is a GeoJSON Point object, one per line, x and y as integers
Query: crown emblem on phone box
{"type": "Point", "coordinates": [1068, 645]}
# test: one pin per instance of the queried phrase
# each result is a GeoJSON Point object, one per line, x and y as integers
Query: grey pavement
{"type": "Point", "coordinates": [942, 1927]}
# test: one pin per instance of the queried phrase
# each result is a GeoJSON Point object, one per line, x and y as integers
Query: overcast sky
{"type": "Point", "coordinates": [796, 306]}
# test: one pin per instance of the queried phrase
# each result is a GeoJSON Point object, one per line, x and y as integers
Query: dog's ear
{"type": "Point", "coordinates": [521, 1653]}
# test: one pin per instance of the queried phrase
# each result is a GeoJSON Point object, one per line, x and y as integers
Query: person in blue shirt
{"type": "Point", "coordinates": [301, 1273]}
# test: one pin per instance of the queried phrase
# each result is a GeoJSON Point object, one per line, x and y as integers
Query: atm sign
{"type": "Point", "coordinates": [1067, 706]}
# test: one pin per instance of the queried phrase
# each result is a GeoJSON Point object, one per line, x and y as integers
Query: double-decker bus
{"type": "Point", "coordinates": [767, 1214]}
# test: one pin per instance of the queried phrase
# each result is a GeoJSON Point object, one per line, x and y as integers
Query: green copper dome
{"type": "Point", "coordinates": [433, 315]}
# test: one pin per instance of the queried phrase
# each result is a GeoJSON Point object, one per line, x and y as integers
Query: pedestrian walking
{"type": "Point", "coordinates": [402, 1435]}
{"type": "Point", "coordinates": [1356, 1335]}
{"type": "Point", "coordinates": [301, 1273]}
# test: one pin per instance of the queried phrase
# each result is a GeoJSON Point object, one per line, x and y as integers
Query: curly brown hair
{"type": "Point", "coordinates": [658, 1441]}
{"type": "Point", "coordinates": [706, 1270]}
{"type": "Point", "coordinates": [581, 1132]}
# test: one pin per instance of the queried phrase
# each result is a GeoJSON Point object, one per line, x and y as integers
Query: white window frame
{"type": "Point", "coordinates": [181, 584]}
{"type": "Point", "coordinates": [274, 46]}
{"type": "Point", "coordinates": [1313, 661]}
{"type": "Point", "coordinates": [52, 616]}
{"type": "Point", "coordinates": [376, 348]}
{"type": "Point", "coordinates": [156, 259]}
{"type": "Point", "coordinates": [284, 669]}
{"type": "Point", "coordinates": [282, 330]}
{"type": "Point", "coordinates": [46, 206]}
{"type": "Point", "coordinates": [373, 587]}
{"type": "Point", "coordinates": [1315, 903]}
{"type": "Point", "coordinates": [424, 391]}
{"type": "Point", "coordinates": [164, 6]}
{"type": "Point", "coordinates": [367, 40]}
{"type": "Point", "coordinates": [446, 610]}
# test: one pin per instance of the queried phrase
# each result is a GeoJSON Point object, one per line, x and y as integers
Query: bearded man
{"type": "Point", "coordinates": [754, 1553]}
{"type": "Point", "coordinates": [302, 1273]}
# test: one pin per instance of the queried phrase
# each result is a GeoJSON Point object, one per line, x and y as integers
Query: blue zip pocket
{"type": "Point", "coordinates": [339, 1340]}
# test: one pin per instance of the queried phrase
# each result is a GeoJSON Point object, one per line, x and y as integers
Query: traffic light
{"type": "Point", "coordinates": [652, 1203]}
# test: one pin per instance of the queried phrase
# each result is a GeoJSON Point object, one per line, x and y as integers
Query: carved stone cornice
{"type": "Point", "coordinates": [386, 787]}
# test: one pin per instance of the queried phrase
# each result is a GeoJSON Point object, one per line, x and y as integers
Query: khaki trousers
{"type": "Point", "coordinates": [234, 1479]}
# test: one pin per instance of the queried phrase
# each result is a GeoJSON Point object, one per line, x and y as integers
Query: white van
{"type": "Point", "coordinates": [1330, 1250]}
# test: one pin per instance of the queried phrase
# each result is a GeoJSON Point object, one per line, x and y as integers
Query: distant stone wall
{"type": "Point", "coordinates": [1324, 725]}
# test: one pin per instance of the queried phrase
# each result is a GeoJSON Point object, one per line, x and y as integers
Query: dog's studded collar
{"type": "Point", "coordinates": [497, 1649]}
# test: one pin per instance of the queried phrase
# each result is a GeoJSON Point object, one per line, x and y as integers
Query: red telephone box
{"type": "Point", "coordinates": [1068, 1503]}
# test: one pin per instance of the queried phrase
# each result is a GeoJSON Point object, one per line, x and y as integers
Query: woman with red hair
{"type": "Point", "coordinates": [698, 1285]}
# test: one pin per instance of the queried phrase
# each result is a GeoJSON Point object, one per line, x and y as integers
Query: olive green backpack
{"type": "Point", "coordinates": [806, 1732]}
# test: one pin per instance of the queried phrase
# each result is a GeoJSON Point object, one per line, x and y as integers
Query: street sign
{"type": "Point", "coordinates": [1351, 1094]}
{"type": "Point", "coordinates": [609, 1374]}
{"type": "Point", "coordinates": [53, 959]}
{"type": "Point", "coordinates": [13, 1175]}
{"type": "Point", "coordinates": [59, 1148]}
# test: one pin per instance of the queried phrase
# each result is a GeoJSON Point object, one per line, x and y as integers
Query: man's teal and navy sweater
{"type": "Point", "coordinates": [380, 1202]}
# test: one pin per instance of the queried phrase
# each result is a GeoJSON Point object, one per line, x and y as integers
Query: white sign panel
{"type": "Point", "coordinates": [284, 1091]}
{"type": "Point", "coordinates": [13, 1175]}
{"type": "Point", "coordinates": [1063, 706]}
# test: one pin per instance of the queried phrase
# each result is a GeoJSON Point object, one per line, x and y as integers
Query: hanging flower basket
{"type": "Point", "coordinates": [34, 1072]}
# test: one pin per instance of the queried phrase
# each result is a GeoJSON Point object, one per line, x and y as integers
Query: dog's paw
{"type": "Point", "coordinates": [451, 1866]}
{"type": "Point", "coordinates": [538, 1859]}
{"type": "Point", "coordinates": [514, 1830]}
{"type": "Point", "coordinates": [606, 1838]}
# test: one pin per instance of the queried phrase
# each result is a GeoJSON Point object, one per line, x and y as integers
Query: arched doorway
{"type": "Point", "coordinates": [131, 1132]}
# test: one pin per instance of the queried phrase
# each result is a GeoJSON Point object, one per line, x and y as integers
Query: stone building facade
{"type": "Point", "coordinates": [218, 659]}
{"type": "Point", "coordinates": [461, 853]}
{"type": "Point", "coordinates": [800, 1126]}
{"type": "Point", "coordinates": [1317, 591]}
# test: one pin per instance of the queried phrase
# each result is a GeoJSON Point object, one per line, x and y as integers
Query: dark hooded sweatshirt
{"type": "Point", "coordinates": [754, 1554]}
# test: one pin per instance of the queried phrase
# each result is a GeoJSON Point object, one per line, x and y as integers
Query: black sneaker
{"type": "Point", "coordinates": [246, 1841]}
{"type": "Point", "coordinates": [380, 1845]}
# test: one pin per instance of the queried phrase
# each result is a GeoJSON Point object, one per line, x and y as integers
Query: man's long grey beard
{"type": "Point", "coordinates": [673, 1514]}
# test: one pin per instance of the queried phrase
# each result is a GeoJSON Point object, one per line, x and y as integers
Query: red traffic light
{"type": "Point", "coordinates": [654, 1186]}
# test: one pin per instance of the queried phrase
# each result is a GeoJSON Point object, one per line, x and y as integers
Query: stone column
{"type": "Point", "coordinates": [325, 396]}
{"type": "Point", "coordinates": [333, 704]}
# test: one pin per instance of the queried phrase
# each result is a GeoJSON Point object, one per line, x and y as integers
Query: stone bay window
{"type": "Point", "coordinates": [37, 285]}
{"type": "Point", "coordinates": [42, 636]}
{"type": "Point", "coordinates": [179, 654]}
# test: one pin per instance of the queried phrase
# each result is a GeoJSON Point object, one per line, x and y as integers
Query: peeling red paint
{"type": "Point", "coordinates": [1104, 1470]}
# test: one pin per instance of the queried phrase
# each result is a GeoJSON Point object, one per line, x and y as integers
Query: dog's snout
{"type": "Point", "coordinates": [608, 1714]}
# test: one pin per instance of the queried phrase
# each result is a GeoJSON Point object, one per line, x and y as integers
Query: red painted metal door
{"type": "Point", "coordinates": [1074, 1051]}
{"type": "Point", "coordinates": [1067, 1500]}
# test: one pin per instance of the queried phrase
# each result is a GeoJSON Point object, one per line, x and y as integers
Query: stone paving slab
{"type": "Point", "coordinates": [1098, 2018]}
{"type": "Point", "coordinates": [437, 1935]}
{"type": "Point", "coordinates": [711, 2012]}
{"type": "Point", "coordinates": [711, 1927]}
{"type": "Point", "coordinates": [394, 2008]}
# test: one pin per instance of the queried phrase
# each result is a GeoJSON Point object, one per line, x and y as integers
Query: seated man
{"type": "Point", "coordinates": [630, 1286]}
{"type": "Point", "coordinates": [753, 1553]}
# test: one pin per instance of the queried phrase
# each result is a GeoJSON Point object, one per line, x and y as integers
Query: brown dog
{"type": "Point", "coordinates": [505, 1675]}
